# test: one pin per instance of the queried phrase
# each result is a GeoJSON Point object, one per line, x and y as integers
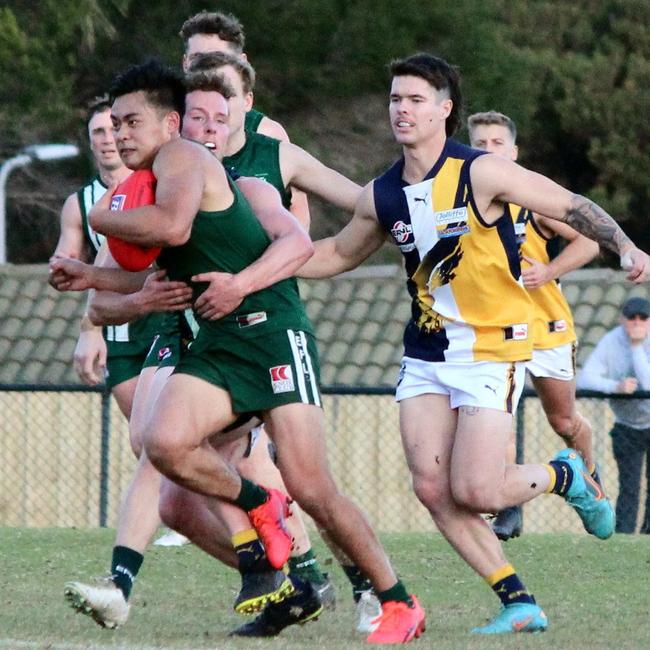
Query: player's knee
{"type": "Point", "coordinates": [164, 451]}
{"type": "Point", "coordinates": [564, 425]}
{"type": "Point", "coordinates": [432, 493]}
{"type": "Point", "coordinates": [170, 506]}
{"type": "Point", "coordinates": [476, 496]}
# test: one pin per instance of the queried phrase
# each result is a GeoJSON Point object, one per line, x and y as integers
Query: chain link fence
{"type": "Point", "coordinates": [65, 457]}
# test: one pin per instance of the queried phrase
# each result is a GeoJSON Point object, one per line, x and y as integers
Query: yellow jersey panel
{"type": "Point", "coordinates": [553, 321]}
{"type": "Point", "coordinates": [463, 274]}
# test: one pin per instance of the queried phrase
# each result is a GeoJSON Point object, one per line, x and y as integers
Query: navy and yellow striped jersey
{"type": "Point", "coordinates": [468, 303]}
{"type": "Point", "coordinates": [553, 322]}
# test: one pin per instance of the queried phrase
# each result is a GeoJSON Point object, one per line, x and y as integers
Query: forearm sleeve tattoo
{"type": "Point", "coordinates": [592, 221]}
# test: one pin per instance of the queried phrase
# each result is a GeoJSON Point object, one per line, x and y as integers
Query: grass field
{"type": "Point", "coordinates": [596, 595]}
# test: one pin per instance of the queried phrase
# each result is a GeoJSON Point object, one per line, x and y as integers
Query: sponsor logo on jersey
{"type": "Point", "coordinates": [246, 320]}
{"type": "Point", "coordinates": [451, 223]}
{"type": "Point", "coordinates": [520, 232]}
{"type": "Point", "coordinates": [401, 231]}
{"type": "Point", "coordinates": [164, 353]}
{"type": "Point", "coordinates": [117, 202]}
{"type": "Point", "coordinates": [406, 248]}
{"type": "Point", "coordinates": [282, 379]}
{"type": "Point", "coordinates": [516, 332]}
{"type": "Point", "coordinates": [558, 326]}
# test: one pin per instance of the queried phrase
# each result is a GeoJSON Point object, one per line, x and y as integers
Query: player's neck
{"type": "Point", "coordinates": [419, 158]}
{"type": "Point", "coordinates": [236, 142]}
{"type": "Point", "coordinates": [113, 176]}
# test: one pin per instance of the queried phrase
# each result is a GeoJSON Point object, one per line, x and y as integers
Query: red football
{"type": "Point", "coordinates": [135, 191]}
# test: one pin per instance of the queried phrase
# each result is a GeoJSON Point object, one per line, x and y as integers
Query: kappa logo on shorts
{"type": "Point", "coordinates": [164, 353]}
{"type": "Point", "coordinates": [118, 201]}
{"type": "Point", "coordinates": [282, 379]}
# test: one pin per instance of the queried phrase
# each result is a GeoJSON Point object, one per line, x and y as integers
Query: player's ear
{"type": "Point", "coordinates": [173, 120]}
{"type": "Point", "coordinates": [249, 99]}
{"type": "Point", "coordinates": [445, 108]}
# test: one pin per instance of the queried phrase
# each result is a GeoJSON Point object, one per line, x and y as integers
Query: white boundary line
{"type": "Point", "coordinates": [40, 645]}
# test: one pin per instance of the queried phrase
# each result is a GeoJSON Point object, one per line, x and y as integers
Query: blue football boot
{"type": "Point", "coordinates": [517, 617]}
{"type": "Point", "coordinates": [587, 498]}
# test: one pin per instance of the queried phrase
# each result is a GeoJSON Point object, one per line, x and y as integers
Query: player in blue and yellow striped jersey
{"type": "Point", "coordinates": [552, 367]}
{"type": "Point", "coordinates": [446, 206]}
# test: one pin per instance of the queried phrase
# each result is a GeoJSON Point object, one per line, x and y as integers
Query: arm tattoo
{"type": "Point", "coordinates": [592, 221]}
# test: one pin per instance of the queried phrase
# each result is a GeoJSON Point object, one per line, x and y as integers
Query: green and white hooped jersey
{"type": "Point", "coordinates": [87, 196]}
{"type": "Point", "coordinates": [129, 338]}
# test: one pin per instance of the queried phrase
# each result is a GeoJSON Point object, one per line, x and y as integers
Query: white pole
{"type": "Point", "coordinates": [5, 169]}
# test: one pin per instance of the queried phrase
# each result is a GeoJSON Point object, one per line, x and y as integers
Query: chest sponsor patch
{"type": "Point", "coordinates": [520, 232]}
{"type": "Point", "coordinates": [401, 231]}
{"type": "Point", "coordinates": [282, 379]}
{"type": "Point", "coordinates": [117, 201]}
{"type": "Point", "coordinates": [451, 223]}
{"type": "Point", "coordinates": [516, 332]}
{"type": "Point", "coordinates": [247, 320]}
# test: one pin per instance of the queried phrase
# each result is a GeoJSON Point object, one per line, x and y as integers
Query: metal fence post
{"type": "Point", "coordinates": [521, 436]}
{"type": "Point", "coordinates": [520, 440]}
{"type": "Point", "coordinates": [104, 458]}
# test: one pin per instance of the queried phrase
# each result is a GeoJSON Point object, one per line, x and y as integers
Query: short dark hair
{"type": "Point", "coordinates": [216, 60]}
{"type": "Point", "coordinates": [225, 26]}
{"type": "Point", "coordinates": [492, 117]}
{"type": "Point", "coordinates": [440, 74]}
{"type": "Point", "coordinates": [208, 81]}
{"type": "Point", "coordinates": [98, 104]}
{"type": "Point", "coordinates": [162, 85]}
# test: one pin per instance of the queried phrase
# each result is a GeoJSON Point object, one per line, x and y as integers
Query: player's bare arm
{"type": "Point", "coordinates": [179, 193]}
{"type": "Point", "coordinates": [289, 249]}
{"type": "Point", "coordinates": [360, 238]}
{"type": "Point", "coordinates": [67, 274]}
{"type": "Point", "coordinates": [157, 294]}
{"type": "Point", "coordinates": [579, 251]}
{"type": "Point", "coordinates": [71, 239]}
{"type": "Point", "coordinates": [300, 169]}
{"type": "Point", "coordinates": [496, 180]}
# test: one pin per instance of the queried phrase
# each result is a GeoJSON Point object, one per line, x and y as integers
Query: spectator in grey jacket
{"type": "Point", "coordinates": [620, 363]}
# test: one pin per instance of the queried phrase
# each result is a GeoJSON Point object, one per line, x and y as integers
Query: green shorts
{"type": "Point", "coordinates": [170, 343]}
{"type": "Point", "coordinates": [165, 351]}
{"type": "Point", "coordinates": [120, 368]}
{"type": "Point", "coordinates": [261, 372]}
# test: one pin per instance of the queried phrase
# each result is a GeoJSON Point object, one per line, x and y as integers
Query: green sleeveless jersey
{"type": "Point", "coordinates": [129, 338]}
{"type": "Point", "coordinates": [260, 157]}
{"type": "Point", "coordinates": [252, 120]}
{"type": "Point", "coordinates": [229, 241]}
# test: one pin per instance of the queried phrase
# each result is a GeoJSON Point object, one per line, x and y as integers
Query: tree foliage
{"type": "Point", "coordinates": [573, 74]}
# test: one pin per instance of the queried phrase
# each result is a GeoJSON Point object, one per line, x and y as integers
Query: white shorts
{"type": "Point", "coordinates": [487, 384]}
{"type": "Point", "coordinates": [556, 363]}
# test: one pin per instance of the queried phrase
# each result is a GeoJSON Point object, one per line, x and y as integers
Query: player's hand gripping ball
{"type": "Point", "coordinates": [137, 190]}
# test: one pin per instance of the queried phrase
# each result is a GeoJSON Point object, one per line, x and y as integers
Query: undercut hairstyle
{"type": "Point", "coordinates": [208, 81]}
{"type": "Point", "coordinates": [98, 104]}
{"type": "Point", "coordinates": [216, 60]}
{"type": "Point", "coordinates": [225, 26]}
{"type": "Point", "coordinates": [492, 117]}
{"type": "Point", "coordinates": [163, 87]}
{"type": "Point", "coordinates": [438, 73]}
